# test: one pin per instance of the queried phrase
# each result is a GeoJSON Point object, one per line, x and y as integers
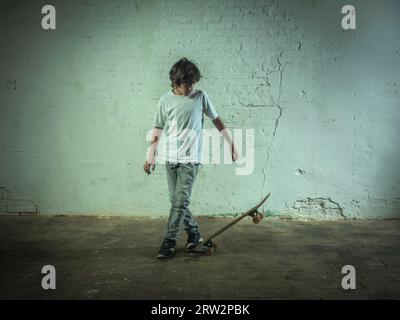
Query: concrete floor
{"type": "Point", "coordinates": [114, 258]}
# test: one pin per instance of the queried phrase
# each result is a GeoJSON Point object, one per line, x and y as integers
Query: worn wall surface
{"type": "Point", "coordinates": [324, 103]}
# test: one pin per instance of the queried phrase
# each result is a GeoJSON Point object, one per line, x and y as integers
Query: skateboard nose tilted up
{"type": "Point", "coordinates": [207, 246]}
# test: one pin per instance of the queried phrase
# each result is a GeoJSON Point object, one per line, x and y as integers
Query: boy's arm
{"type": "Point", "coordinates": [227, 135]}
{"type": "Point", "coordinates": [150, 159]}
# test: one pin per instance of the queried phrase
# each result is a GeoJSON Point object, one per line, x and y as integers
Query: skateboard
{"type": "Point", "coordinates": [206, 248]}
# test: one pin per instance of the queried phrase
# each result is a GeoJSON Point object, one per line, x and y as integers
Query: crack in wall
{"type": "Point", "coordinates": [263, 182]}
{"type": "Point", "coordinates": [280, 70]}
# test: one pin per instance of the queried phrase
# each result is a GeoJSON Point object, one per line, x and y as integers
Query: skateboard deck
{"type": "Point", "coordinates": [203, 246]}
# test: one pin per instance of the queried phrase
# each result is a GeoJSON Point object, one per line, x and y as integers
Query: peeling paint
{"type": "Point", "coordinates": [300, 172]}
{"type": "Point", "coordinates": [4, 193]}
{"type": "Point", "coordinates": [317, 208]}
{"type": "Point", "coordinates": [10, 206]}
{"type": "Point", "coordinates": [11, 85]}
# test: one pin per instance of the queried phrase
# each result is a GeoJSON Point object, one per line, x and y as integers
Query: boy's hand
{"type": "Point", "coordinates": [147, 166]}
{"type": "Point", "coordinates": [235, 154]}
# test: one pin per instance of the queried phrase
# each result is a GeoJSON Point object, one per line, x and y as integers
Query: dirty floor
{"type": "Point", "coordinates": [114, 258]}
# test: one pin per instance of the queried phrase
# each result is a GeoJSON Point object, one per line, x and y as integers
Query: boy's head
{"type": "Point", "coordinates": [183, 75]}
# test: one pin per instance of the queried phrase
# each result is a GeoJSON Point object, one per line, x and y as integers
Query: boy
{"type": "Point", "coordinates": [180, 118]}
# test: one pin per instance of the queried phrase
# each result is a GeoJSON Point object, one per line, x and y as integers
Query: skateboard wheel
{"type": "Point", "coordinates": [258, 217]}
{"type": "Point", "coordinates": [211, 249]}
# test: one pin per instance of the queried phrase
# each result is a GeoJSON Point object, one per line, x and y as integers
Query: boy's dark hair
{"type": "Point", "coordinates": [184, 71]}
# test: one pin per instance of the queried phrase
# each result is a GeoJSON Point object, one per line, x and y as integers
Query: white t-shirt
{"type": "Point", "coordinates": [181, 118]}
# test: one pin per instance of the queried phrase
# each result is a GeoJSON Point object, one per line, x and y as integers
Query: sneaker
{"type": "Point", "coordinates": [193, 240]}
{"type": "Point", "coordinates": [167, 249]}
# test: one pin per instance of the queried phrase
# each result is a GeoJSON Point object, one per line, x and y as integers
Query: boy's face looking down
{"type": "Point", "coordinates": [183, 75]}
{"type": "Point", "coordinates": [184, 89]}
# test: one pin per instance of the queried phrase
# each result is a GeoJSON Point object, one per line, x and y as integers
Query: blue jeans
{"type": "Point", "coordinates": [181, 177]}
